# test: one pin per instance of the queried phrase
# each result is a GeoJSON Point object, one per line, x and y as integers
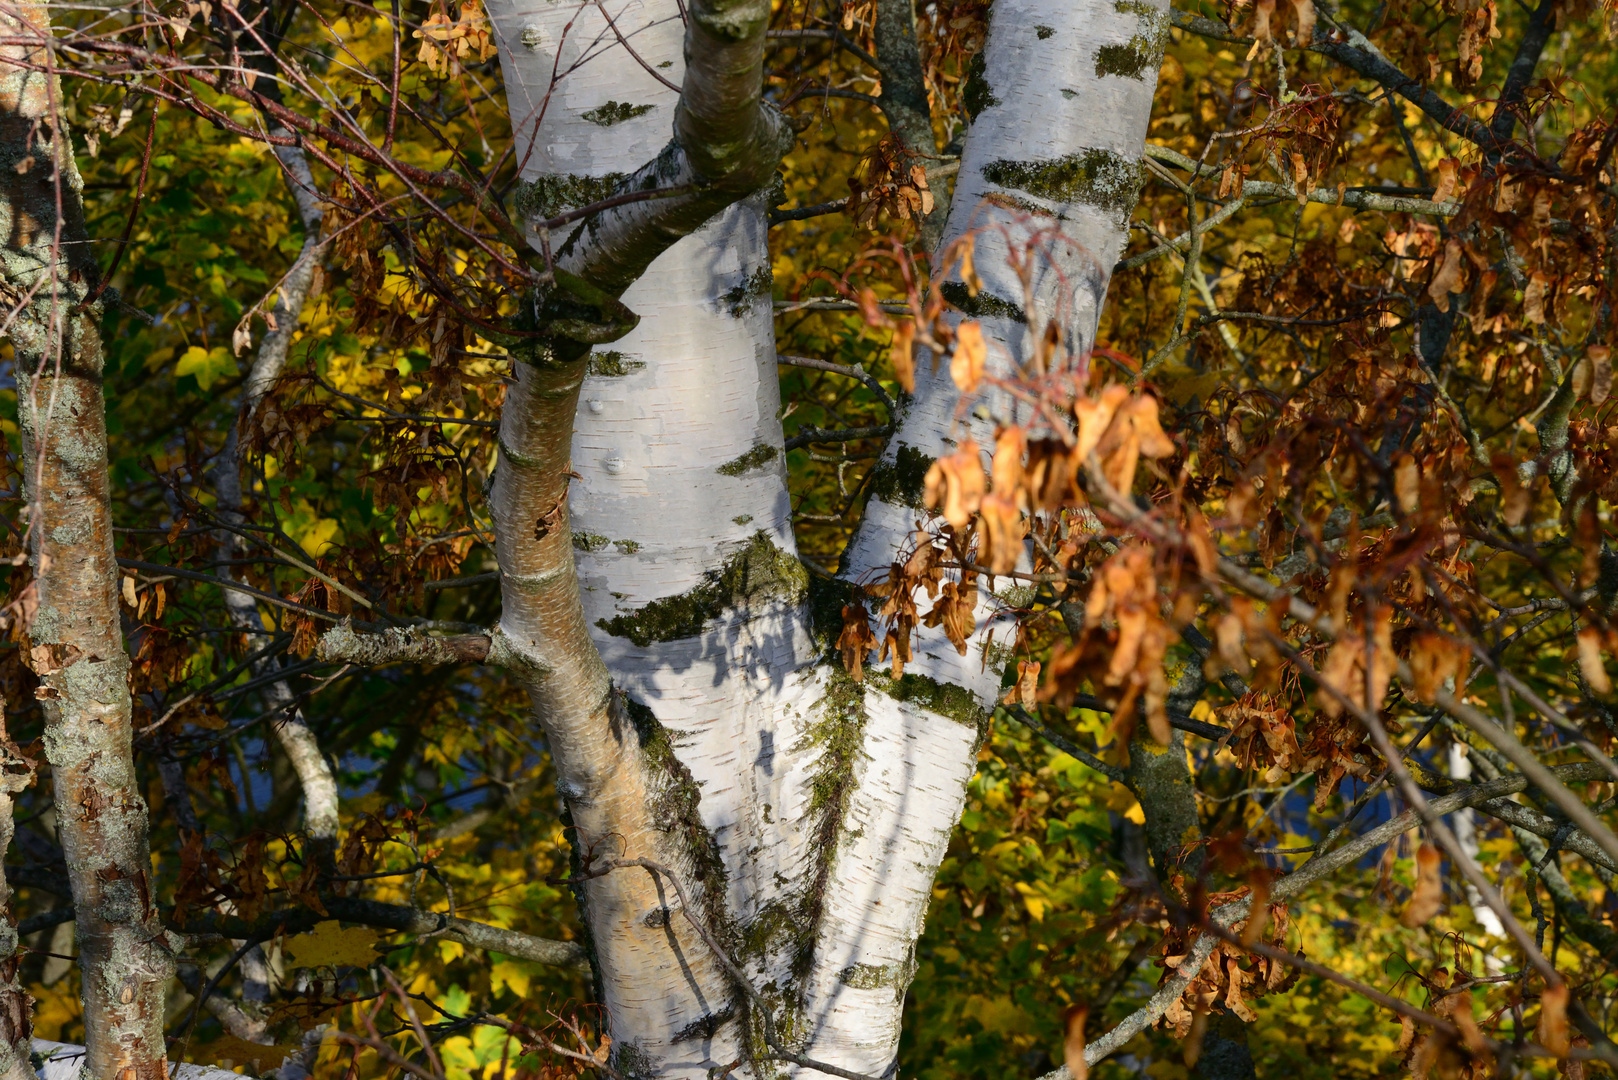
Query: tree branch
{"type": "Point", "coordinates": [400, 646]}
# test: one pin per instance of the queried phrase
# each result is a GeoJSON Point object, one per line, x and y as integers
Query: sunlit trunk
{"type": "Point", "coordinates": [74, 639]}
{"type": "Point", "coordinates": [809, 813]}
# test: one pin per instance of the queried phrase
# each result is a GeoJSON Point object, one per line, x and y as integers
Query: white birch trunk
{"type": "Point", "coordinates": [821, 809]}
{"type": "Point", "coordinates": [1465, 823]}
{"type": "Point", "coordinates": [1065, 95]}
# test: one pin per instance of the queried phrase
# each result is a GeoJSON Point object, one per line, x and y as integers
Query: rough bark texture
{"type": "Point", "coordinates": [904, 104]}
{"type": "Point", "coordinates": [16, 1006]}
{"type": "Point", "coordinates": [75, 643]}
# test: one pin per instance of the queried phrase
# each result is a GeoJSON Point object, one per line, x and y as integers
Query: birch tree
{"type": "Point", "coordinates": [1172, 585]}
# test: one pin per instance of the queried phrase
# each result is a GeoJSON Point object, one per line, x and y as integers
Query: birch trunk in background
{"type": "Point", "coordinates": [1465, 823]}
{"type": "Point", "coordinates": [76, 645]}
{"type": "Point", "coordinates": [320, 804]}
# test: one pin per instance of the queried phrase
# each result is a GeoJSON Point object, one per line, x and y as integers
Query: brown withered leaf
{"type": "Point", "coordinates": [954, 485]}
{"type": "Point", "coordinates": [1551, 1031]}
{"type": "Point", "coordinates": [1590, 662]}
{"type": "Point", "coordinates": [1533, 298]}
{"type": "Point", "coordinates": [954, 610]}
{"type": "Point", "coordinates": [1600, 358]}
{"type": "Point", "coordinates": [856, 640]}
{"type": "Point", "coordinates": [1051, 476]}
{"type": "Point", "coordinates": [1407, 483]}
{"type": "Point", "coordinates": [1094, 416]}
{"type": "Point", "coordinates": [1434, 658]}
{"type": "Point", "coordinates": [1428, 897]}
{"type": "Point", "coordinates": [902, 353]}
{"type": "Point", "coordinates": [1304, 11]}
{"type": "Point", "coordinates": [971, 353]}
{"type": "Point", "coordinates": [1073, 1041]}
{"type": "Point", "coordinates": [1006, 471]}
{"type": "Point", "coordinates": [1448, 277]}
{"type": "Point", "coordinates": [969, 273]}
{"type": "Point", "coordinates": [1000, 533]}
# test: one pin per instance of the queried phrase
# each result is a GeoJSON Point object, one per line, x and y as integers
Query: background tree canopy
{"type": "Point", "coordinates": [1373, 312]}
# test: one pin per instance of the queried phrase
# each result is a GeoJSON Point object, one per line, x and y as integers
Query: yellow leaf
{"type": "Point", "coordinates": [507, 973]}
{"type": "Point", "coordinates": [1035, 903]}
{"type": "Point", "coordinates": [208, 366]}
{"type": "Point", "coordinates": [329, 945]}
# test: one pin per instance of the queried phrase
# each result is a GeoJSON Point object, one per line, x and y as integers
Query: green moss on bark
{"type": "Point", "coordinates": [1099, 178]}
{"type": "Point", "coordinates": [613, 364]}
{"type": "Point", "coordinates": [616, 112]}
{"type": "Point", "coordinates": [986, 305]}
{"type": "Point", "coordinates": [757, 286]}
{"type": "Point", "coordinates": [1142, 53]}
{"type": "Point", "coordinates": [757, 573]}
{"type": "Point", "coordinates": [945, 699]}
{"type": "Point", "coordinates": [549, 195]}
{"type": "Point", "coordinates": [976, 95]}
{"type": "Point", "coordinates": [673, 801]}
{"type": "Point", "coordinates": [895, 977]}
{"type": "Point", "coordinates": [761, 455]}
{"type": "Point", "coordinates": [901, 481]}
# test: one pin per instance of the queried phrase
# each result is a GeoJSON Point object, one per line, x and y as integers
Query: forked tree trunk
{"type": "Point", "coordinates": [807, 814]}
{"type": "Point", "coordinates": [76, 645]}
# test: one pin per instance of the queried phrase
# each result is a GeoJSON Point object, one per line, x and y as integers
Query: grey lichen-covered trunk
{"type": "Point", "coordinates": [16, 1006]}
{"type": "Point", "coordinates": [807, 814]}
{"type": "Point", "coordinates": [76, 645]}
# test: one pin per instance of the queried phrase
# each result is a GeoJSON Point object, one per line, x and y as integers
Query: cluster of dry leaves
{"type": "Point", "coordinates": [893, 184]}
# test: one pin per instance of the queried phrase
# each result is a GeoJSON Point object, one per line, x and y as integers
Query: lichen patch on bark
{"type": "Point", "coordinates": [1099, 178]}
{"type": "Point", "coordinates": [760, 572]}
